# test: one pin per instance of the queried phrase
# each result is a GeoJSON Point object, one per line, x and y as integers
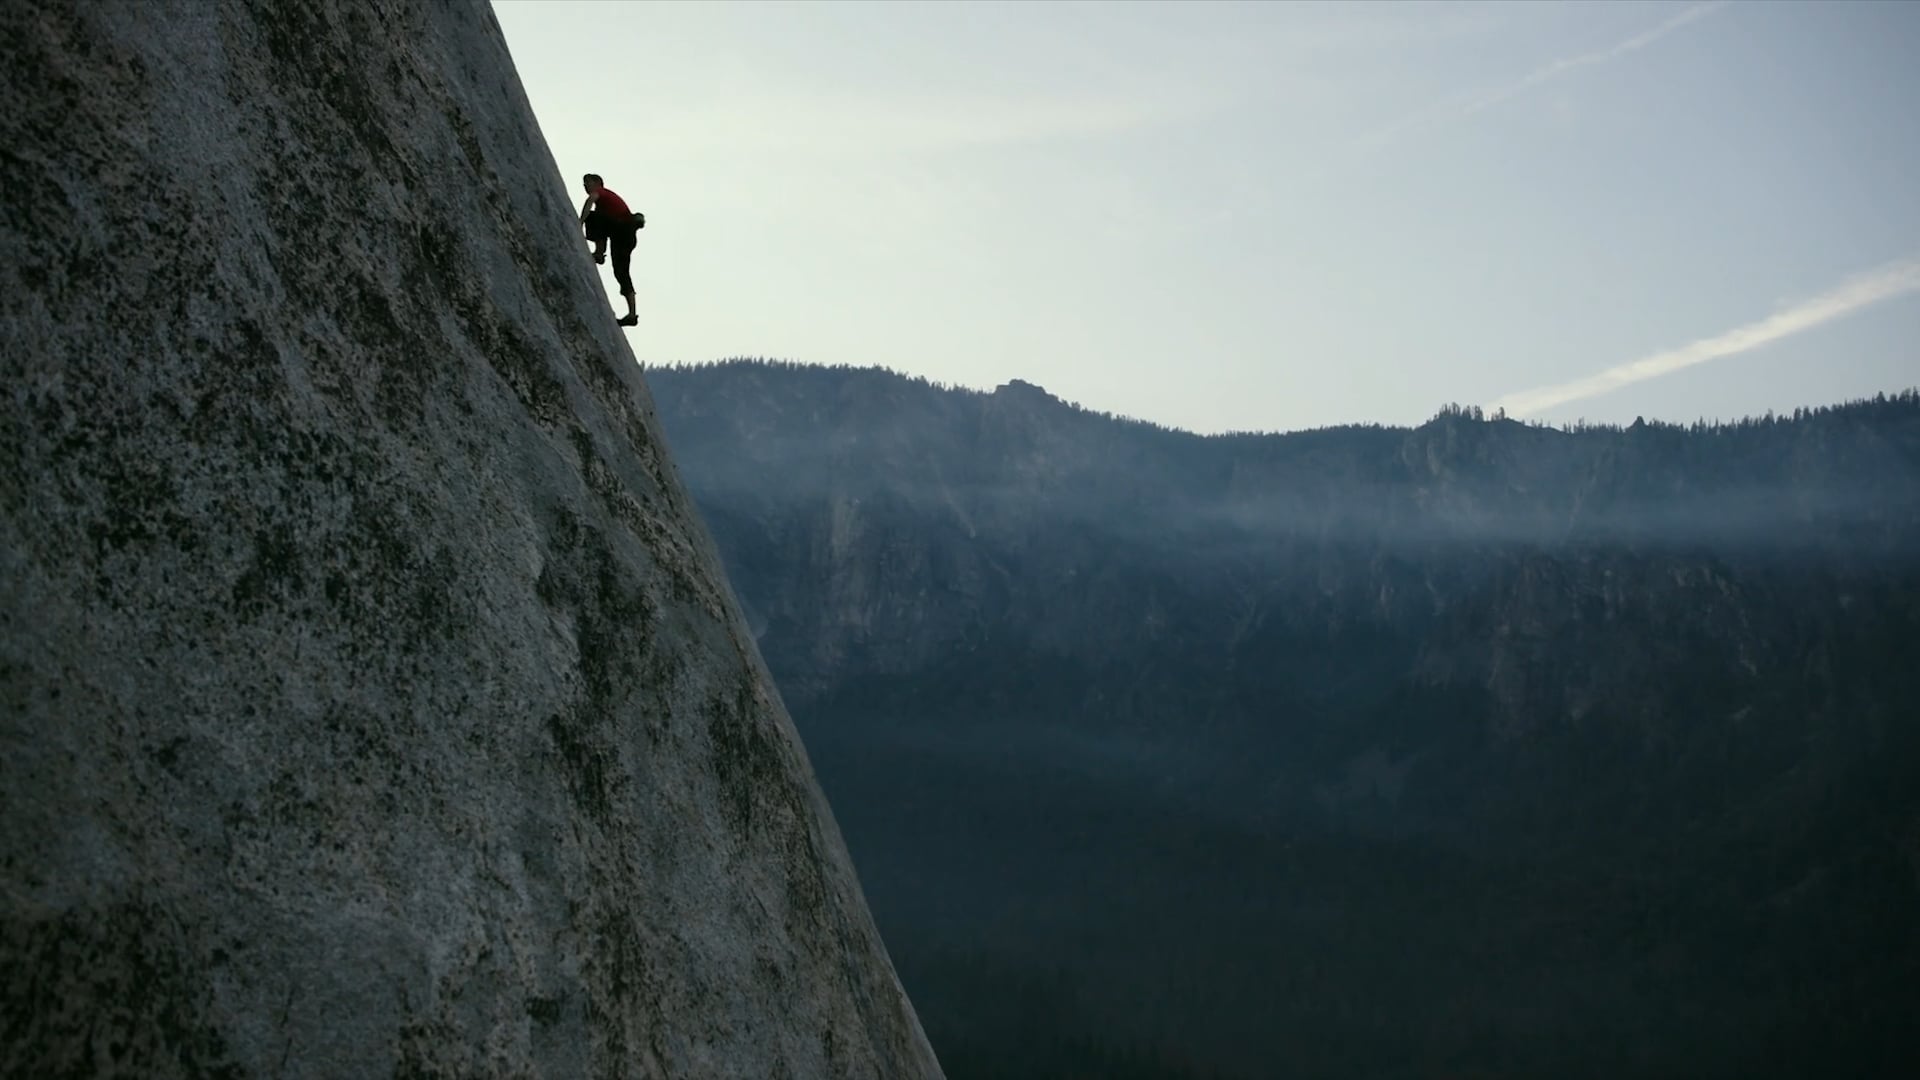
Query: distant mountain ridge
{"type": "Point", "coordinates": [983, 477]}
{"type": "Point", "coordinates": [1634, 700]}
{"type": "Point", "coordinates": [1851, 463]}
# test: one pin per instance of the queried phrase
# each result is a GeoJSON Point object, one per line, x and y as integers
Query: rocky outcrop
{"type": "Point", "coordinates": [371, 701]}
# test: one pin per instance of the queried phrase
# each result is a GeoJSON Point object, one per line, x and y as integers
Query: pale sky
{"type": "Point", "coordinates": [1265, 216]}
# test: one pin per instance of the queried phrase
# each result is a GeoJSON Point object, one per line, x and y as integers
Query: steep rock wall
{"type": "Point", "coordinates": [371, 701]}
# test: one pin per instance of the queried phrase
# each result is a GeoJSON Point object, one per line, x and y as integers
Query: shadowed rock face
{"type": "Point", "coordinates": [371, 702]}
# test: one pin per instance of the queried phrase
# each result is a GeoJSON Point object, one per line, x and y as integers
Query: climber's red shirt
{"type": "Point", "coordinates": [612, 205]}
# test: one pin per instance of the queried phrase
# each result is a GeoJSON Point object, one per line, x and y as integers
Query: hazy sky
{"type": "Point", "coordinates": [1265, 216]}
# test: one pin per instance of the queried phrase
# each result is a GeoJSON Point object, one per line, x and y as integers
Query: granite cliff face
{"type": "Point", "coordinates": [373, 701]}
{"type": "Point", "coordinates": [1468, 749]}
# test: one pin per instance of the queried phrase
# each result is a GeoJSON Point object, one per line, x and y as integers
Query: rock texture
{"type": "Point", "coordinates": [371, 702]}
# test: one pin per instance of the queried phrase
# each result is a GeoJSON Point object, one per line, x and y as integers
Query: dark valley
{"type": "Point", "coordinates": [1474, 749]}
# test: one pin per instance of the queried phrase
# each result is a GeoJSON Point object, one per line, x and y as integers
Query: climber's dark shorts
{"type": "Point", "coordinates": [621, 236]}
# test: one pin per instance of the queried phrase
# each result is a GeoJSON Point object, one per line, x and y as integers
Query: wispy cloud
{"type": "Point", "coordinates": [1861, 291]}
{"type": "Point", "coordinates": [1460, 106]}
{"type": "Point", "coordinates": [1561, 67]}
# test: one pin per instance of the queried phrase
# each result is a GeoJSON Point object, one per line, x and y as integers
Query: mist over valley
{"type": "Point", "coordinates": [1478, 748]}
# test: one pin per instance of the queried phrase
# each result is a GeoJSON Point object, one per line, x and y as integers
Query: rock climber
{"type": "Point", "coordinates": [606, 218]}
